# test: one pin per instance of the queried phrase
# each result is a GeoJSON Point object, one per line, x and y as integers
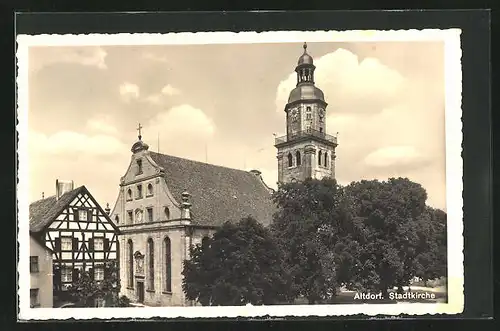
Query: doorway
{"type": "Point", "coordinates": [140, 292]}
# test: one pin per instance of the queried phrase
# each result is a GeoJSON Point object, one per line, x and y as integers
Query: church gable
{"type": "Point", "coordinates": [140, 168]}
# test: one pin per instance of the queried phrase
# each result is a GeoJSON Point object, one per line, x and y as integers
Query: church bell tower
{"type": "Point", "coordinates": [306, 151]}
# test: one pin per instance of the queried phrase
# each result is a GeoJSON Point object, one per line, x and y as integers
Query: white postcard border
{"type": "Point", "coordinates": [454, 173]}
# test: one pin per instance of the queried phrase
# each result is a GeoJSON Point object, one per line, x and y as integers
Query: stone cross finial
{"type": "Point", "coordinates": [139, 129]}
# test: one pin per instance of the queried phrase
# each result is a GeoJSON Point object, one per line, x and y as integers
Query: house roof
{"type": "Point", "coordinates": [218, 194]}
{"type": "Point", "coordinates": [43, 212]}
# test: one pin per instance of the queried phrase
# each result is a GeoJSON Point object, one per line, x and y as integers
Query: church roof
{"type": "Point", "coordinates": [218, 194]}
{"type": "Point", "coordinates": [42, 212]}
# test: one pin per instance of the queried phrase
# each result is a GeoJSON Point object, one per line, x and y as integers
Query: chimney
{"type": "Point", "coordinates": [63, 186]}
{"type": "Point", "coordinates": [107, 210]}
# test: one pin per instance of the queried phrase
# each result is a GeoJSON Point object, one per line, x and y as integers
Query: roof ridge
{"type": "Point", "coordinates": [201, 162]}
{"type": "Point", "coordinates": [53, 196]}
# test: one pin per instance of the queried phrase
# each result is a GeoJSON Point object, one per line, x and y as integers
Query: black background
{"type": "Point", "coordinates": [477, 153]}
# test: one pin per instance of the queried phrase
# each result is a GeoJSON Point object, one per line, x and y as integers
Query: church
{"type": "Point", "coordinates": [166, 204]}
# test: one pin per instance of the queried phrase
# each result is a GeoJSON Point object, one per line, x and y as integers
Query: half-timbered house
{"type": "Point", "coordinates": [77, 230]}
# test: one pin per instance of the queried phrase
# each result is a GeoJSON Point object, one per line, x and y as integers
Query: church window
{"type": "Point", "coordinates": [308, 116]}
{"type": "Point", "coordinates": [151, 265]}
{"type": "Point", "coordinates": [66, 275]}
{"type": "Point", "coordinates": [150, 214]}
{"type": "Point", "coordinates": [326, 160]}
{"type": "Point", "coordinates": [168, 264]}
{"type": "Point", "coordinates": [319, 158]}
{"type": "Point", "coordinates": [129, 194]}
{"type": "Point", "coordinates": [130, 217]}
{"type": "Point", "coordinates": [82, 214]}
{"type": "Point", "coordinates": [139, 192]}
{"type": "Point", "coordinates": [139, 167]}
{"type": "Point", "coordinates": [167, 213]}
{"type": "Point", "coordinates": [320, 130]}
{"type": "Point", "coordinates": [99, 273]}
{"type": "Point", "coordinates": [297, 156]}
{"type": "Point", "coordinates": [34, 264]}
{"type": "Point", "coordinates": [290, 160]}
{"type": "Point", "coordinates": [98, 244]}
{"type": "Point", "coordinates": [117, 219]}
{"type": "Point", "coordinates": [150, 189]}
{"type": "Point", "coordinates": [66, 243]}
{"type": "Point", "coordinates": [130, 263]}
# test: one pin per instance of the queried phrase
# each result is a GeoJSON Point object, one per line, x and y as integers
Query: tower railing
{"type": "Point", "coordinates": [305, 134]}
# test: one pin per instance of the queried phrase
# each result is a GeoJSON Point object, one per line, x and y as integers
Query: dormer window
{"type": "Point", "coordinates": [139, 192]}
{"type": "Point", "coordinates": [139, 167]}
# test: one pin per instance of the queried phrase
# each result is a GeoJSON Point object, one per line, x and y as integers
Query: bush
{"type": "Point", "coordinates": [123, 301]}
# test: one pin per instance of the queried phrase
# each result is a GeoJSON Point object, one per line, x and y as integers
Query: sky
{"type": "Point", "coordinates": [222, 104]}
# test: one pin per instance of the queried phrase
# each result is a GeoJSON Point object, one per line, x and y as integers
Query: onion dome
{"type": "Point", "coordinates": [305, 58]}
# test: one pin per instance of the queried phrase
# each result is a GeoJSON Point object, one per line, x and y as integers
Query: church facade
{"type": "Point", "coordinates": [306, 151]}
{"type": "Point", "coordinates": [167, 204]}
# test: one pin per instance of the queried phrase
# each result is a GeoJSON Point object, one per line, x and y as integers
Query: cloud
{"type": "Point", "coordinates": [182, 121]}
{"type": "Point", "coordinates": [66, 143]}
{"type": "Point", "coordinates": [154, 57]}
{"type": "Point", "coordinates": [91, 56]}
{"type": "Point", "coordinates": [102, 124]}
{"type": "Point", "coordinates": [170, 90]}
{"type": "Point", "coordinates": [129, 91]}
{"type": "Point", "coordinates": [159, 98]}
{"type": "Point", "coordinates": [350, 85]}
{"type": "Point", "coordinates": [394, 156]}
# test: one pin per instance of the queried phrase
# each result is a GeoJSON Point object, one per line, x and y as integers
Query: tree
{"type": "Point", "coordinates": [240, 264]}
{"type": "Point", "coordinates": [309, 222]}
{"type": "Point", "coordinates": [85, 290]}
{"type": "Point", "coordinates": [388, 227]}
{"type": "Point", "coordinates": [431, 258]}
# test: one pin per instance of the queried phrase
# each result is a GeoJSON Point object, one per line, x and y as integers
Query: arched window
{"type": "Point", "coordinates": [297, 156]}
{"type": "Point", "coordinates": [326, 160]}
{"type": "Point", "coordinates": [130, 263]}
{"type": "Point", "coordinates": [129, 194]}
{"type": "Point", "coordinates": [290, 160]}
{"type": "Point", "coordinates": [117, 219]}
{"type": "Point", "coordinates": [168, 264]}
{"type": "Point", "coordinates": [151, 265]}
{"type": "Point", "coordinates": [319, 158]}
{"type": "Point", "coordinates": [150, 190]}
{"type": "Point", "coordinates": [167, 213]}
